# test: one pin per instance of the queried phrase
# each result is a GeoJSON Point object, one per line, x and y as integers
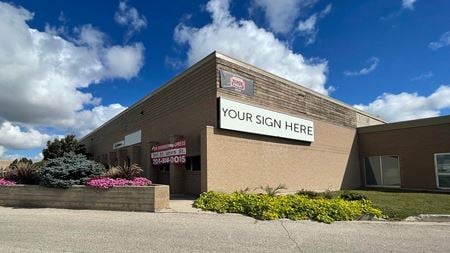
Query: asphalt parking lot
{"type": "Point", "coordinates": [59, 230]}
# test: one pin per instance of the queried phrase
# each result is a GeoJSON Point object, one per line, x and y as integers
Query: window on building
{"type": "Point", "coordinates": [193, 163]}
{"type": "Point", "coordinates": [442, 164]}
{"type": "Point", "coordinates": [382, 170]}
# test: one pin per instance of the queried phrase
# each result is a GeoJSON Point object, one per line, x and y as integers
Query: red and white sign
{"type": "Point", "coordinates": [237, 83]}
{"type": "Point", "coordinates": [169, 153]}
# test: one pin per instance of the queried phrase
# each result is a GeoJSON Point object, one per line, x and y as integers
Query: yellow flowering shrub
{"type": "Point", "coordinates": [293, 206]}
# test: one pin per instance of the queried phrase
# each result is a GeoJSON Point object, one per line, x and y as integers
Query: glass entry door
{"type": "Point", "coordinates": [442, 164]}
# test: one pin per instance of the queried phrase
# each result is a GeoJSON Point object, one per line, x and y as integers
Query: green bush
{"type": "Point", "coordinates": [60, 147]}
{"type": "Point", "coordinates": [272, 191]}
{"type": "Point", "coordinates": [350, 196]}
{"type": "Point", "coordinates": [22, 160]}
{"type": "Point", "coordinates": [126, 171]}
{"type": "Point", "coordinates": [71, 169]}
{"type": "Point", "coordinates": [312, 194]}
{"type": "Point", "coordinates": [23, 172]}
{"type": "Point", "coordinates": [293, 206]}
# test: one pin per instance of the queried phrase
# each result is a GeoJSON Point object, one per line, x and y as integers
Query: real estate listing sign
{"type": "Point", "coordinates": [169, 153]}
{"type": "Point", "coordinates": [251, 119]}
{"type": "Point", "coordinates": [237, 83]}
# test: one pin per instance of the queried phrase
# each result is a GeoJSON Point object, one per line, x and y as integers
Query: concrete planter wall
{"type": "Point", "coordinates": [151, 198]}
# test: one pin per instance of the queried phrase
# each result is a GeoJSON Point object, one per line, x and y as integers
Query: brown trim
{"type": "Point", "coordinates": [442, 120]}
{"type": "Point", "coordinates": [215, 55]}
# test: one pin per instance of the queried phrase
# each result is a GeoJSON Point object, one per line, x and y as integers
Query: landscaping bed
{"type": "Point", "coordinates": [293, 206]}
{"type": "Point", "coordinates": [66, 178]}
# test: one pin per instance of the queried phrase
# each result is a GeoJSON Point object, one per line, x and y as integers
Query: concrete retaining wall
{"type": "Point", "coordinates": [151, 198]}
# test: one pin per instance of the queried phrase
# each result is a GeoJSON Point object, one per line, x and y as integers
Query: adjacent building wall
{"type": "Point", "coordinates": [415, 142]}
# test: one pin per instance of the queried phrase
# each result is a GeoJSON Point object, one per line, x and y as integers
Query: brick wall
{"type": "Point", "coordinates": [415, 146]}
{"type": "Point", "coordinates": [146, 199]}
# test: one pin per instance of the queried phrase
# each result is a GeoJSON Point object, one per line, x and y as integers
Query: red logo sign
{"type": "Point", "coordinates": [237, 83]}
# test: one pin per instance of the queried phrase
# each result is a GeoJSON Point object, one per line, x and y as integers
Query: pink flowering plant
{"type": "Point", "coordinates": [4, 182]}
{"type": "Point", "coordinates": [107, 182]}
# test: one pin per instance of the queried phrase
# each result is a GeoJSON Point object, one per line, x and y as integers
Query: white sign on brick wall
{"type": "Point", "coordinates": [251, 119]}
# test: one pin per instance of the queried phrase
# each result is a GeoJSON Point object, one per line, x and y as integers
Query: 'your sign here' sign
{"type": "Point", "coordinates": [251, 119]}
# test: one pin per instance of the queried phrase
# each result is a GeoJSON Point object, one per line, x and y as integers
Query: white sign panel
{"type": "Point", "coordinates": [251, 119]}
{"type": "Point", "coordinates": [133, 138]}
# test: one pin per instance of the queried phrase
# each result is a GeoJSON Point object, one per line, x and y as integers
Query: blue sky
{"type": "Point", "coordinates": [89, 60]}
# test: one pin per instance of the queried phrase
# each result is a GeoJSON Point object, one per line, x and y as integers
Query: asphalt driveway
{"type": "Point", "coordinates": [53, 230]}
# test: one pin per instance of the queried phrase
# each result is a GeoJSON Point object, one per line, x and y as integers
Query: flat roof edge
{"type": "Point", "coordinates": [214, 55]}
{"type": "Point", "coordinates": [440, 120]}
{"type": "Point", "coordinates": [284, 80]}
{"type": "Point", "coordinates": [160, 88]}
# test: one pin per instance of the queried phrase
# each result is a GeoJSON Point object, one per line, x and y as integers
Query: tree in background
{"type": "Point", "coordinates": [59, 147]}
{"type": "Point", "coordinates": [23, 160]}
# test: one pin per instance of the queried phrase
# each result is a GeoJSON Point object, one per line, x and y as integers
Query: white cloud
{"type": "Point", "coordinates": [87, 120]}
{"type": "Point", "coordinates": [307, 28]}
{"type": "Point", "coordinates": [41, 73]}
{"type": "Point", "coordinates": [408, 4]}
{"type": "Point", "coordinates": [407, 106]}
{"type": "Point", "coordinates": [12, 136]}
{"type": "Point", "coordinates": [425, 75]}
{"type": "Point", "coordinates": [443, 41]}
{"type": "Point", "coordinates": [373, 64]}
{"type": "Point", "coordinates": [282, 14]}
{"type": "Point", "coordinates": [243, 40]}
{"type": "Point", "coordinates": [2, 153]}
{"type": "Point", "coordinates": [129, 16]}
{"type": "Point", "coordinates": [124, 61]}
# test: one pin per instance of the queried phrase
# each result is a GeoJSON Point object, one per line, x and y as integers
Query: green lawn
{"type": "Point", "coordinates": [400, 204]}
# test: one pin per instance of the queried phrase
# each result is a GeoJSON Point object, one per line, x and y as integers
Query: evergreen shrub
{"type": "Point", "coordinates": [70, 169]}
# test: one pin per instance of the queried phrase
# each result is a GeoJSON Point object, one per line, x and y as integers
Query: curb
{"type": "Point", "coordinates": [429, 218]}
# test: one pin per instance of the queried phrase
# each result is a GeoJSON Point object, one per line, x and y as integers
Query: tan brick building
{"type": "Point", "coordinates": [243, 127]}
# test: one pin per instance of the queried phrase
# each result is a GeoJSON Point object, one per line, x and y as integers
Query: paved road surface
{"type": "Point", "coordinates": [53, 230]}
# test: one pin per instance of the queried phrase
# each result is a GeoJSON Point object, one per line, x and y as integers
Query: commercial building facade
{"type": "Point", "coordinates": [226, 125]}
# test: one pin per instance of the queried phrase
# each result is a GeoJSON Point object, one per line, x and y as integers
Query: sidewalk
{"type": "Point", "coordinates": [182, 204]}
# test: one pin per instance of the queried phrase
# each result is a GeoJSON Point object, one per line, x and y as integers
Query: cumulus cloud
{"type": "Point", "coordinates": [129, 17]}
{"type": "Point", "coordinates": [373, 64]}
{"type": "Point", "coordinates": [407, 106]}
{"type": "Point", "coordinates": [282, 14]}
{"type": "Point", "coordinates": [41, 73]}
{"type": "Point", "coordinates": [408, 4]}
{"type": "Point", "coordinates": [12, 136]}
{"type": "Point", "coordinates": [87, 120]}
{"type": "Point", "coordinates": [243, 40]}
{"type": "Point", "coordinates": [124, 61]}
{"type": "Point", "coordinates": [443, 41]}
{"type": "Point", "coordinates": [307, 28]}
{"type": "Point", "coordinates": [2, 153]}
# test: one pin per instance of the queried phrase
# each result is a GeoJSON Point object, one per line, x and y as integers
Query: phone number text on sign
{"type": "Point", "coordinates": [169, 153]}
